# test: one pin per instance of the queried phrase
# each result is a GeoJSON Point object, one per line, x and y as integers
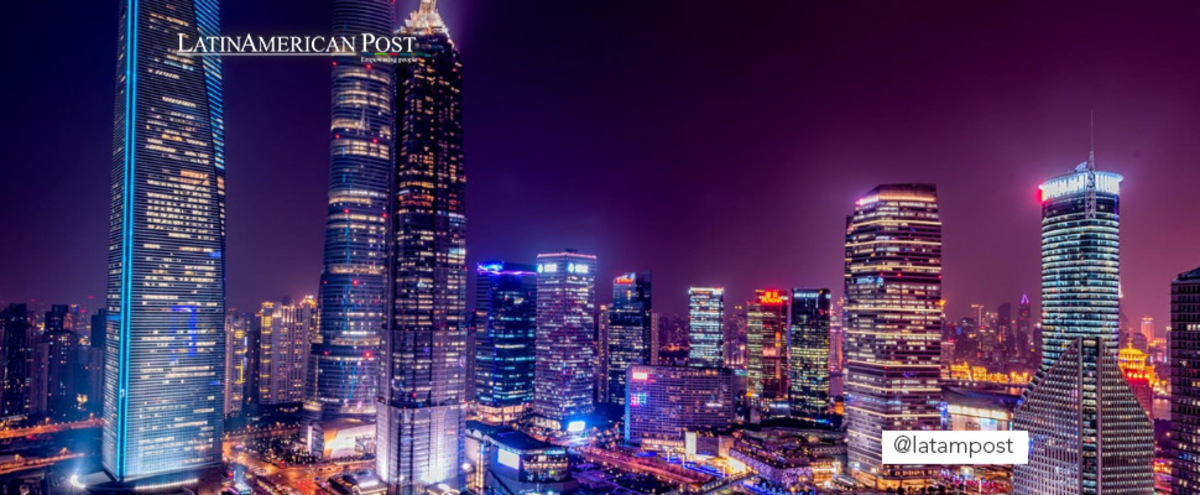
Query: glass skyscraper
{"type": "Point", "coordinates": [629, 330]}
{"type": "Point", "coordinates": [420, 425]}
{"type": "Point", "coordinates": [766, 350]}
{"type": "Point", "coordinates": [706, 334]}
{"type": "Point", "coordinates": [808, 354]}
{"type": "Point", "coordinates": [893, 290]}
{"type": "Point", "coordinates": [565, 364]}
{"type": "Point", "coordinates": [343, 369]}
{"type": "Point", "coordinates": [505, 329]}
{"type": "Point", "coordinates": [165, 355]}
{"type": "Point", "coordinates": [1087, 432]}
{"type": "Point", "coordinates": [1185, 382]}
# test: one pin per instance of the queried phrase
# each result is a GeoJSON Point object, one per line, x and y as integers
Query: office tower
{"type": "Point", "coordinates": [766, 349]}
{"type": "Point", "coordinates": [58, 374]}
{"type": "Point", "coordinates": [893, 290]}
{"type": "Point", "coordinates": [734, 334]}
{"type": "Point", "coordinates": [706, 327]}
{"type": "Point", "coordinates": [1147, 328]}
{"type": "Point", "coordinates": [1088, 434]}
{"type": "Point", "coordinates": [165, 360]}
{"type": "Point", "coordinates": [1185, 382]}
{"type": "Point", "coordinates": [566, 301]}
{"type": "Point", "coordinates": [600, 351]}
{"type": "Point", "coordinates": [664, 402]}
{"type": "Point", "coordinates": [16, 398]}
{"type": "Point", "coordinates": [237, 361]}
{"type": "Point", "coordinates": [808, 355]}
{"type": "Point", "coordinates": [629, 331]}
{"type": "Point", "coordinates": [505, 329]}
{"type": "Point", "coordinates": [343, 370]}
{"type": "Point", "coordinates": [421, 413]}
{"type": "Point", "coordinates": [284, 349]}
{"type": "Point", "coordinates": [1030, 341]}
{"type": "Point", "coordinates": [95, 362]}
{"type": "Point", "coordinates": [655, 337]}
{"type": "Point", "coordinates": [56, 318]}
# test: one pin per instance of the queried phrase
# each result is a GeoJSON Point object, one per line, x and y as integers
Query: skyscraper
{"type": "Point", "coordinates": [343, 369]}
{"type": "Point", "coordinates": [808, 355]}
{"type": "Point", "coordinates": [505, 329]}
{"type": "Point", "coordinates": [165, 360]}
{"type": "Point", "coordinates": [16, 397]}
{"type": "Point", "coordinates": [1088, 434]}
{"type": "Point", "coordinates": [566, 303]}
{"type": "Point", "coordinates": [284, 347]}
{"type": "Point", "coordinates": [629, 330]}
{"type": "Point", "coordinates": [893, 328]}
{"type": "Point", "coordinates": [664, 402]}
{"type": "Point", "coordinates": [767, 348]}
{"type": "Point", "coordinates": [237, 361]}
{"type": "Point", "coordinates": [1185, 382]}
{"type": "Point", "coordinates": [421, 414]}
{"type": "Point", "coordinates": [706, 319]}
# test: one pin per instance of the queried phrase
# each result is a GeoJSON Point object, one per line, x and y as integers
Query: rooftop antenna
{"type": "Point", "coordinates": [1090, 206]}
{"type": "Point", "coordinates": [1091, 163]}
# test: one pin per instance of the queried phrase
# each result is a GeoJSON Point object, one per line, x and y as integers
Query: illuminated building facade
{"type": "Point", "coordinates": [628, 332]}
{"type": "Point", "coordinates": [706, 319]}
{"type": "Point", "coordinates": [237, 361]}
{"type": "Point", "coordinates": [767, 348]}
{"type": "Point", "coordinates": [565, 367]}
{"type": "Point", "coordinates": [1185, 382]}
{"type": "Point", "coordinates": [505, 329]}
{"type": "Point", "coordinates": [513, 463]}
{"type": "Point", "coordinates": [664, 402]}
{"type": "Point", "coordinates": [343, 370]}
{"type": "Point", "coordinates": [893, 290]}
{"type": "Point", "coordinates": [285, 329]}
{"type": "Point", "coordinates": [1088, 433]}
{"type": "Point", "coordinates": [808, 355]}
{"type": "Point", "coordinates": [422, 409]}
{"type": "Point", "coordinates": [16, 397]}
{"type": "Point", "coordinates": [165, 360]}
{"type": "Point", "coordinates": [1140, 375]}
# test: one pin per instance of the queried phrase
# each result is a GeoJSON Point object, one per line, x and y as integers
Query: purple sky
{"type": "Point", "coordinates": [715, 146]}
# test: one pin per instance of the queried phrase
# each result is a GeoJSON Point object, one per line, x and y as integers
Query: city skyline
{"type": "Point", "coordinates": [1008, 153]}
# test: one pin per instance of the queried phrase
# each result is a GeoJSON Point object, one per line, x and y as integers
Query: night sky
{"type": "Point", "coordinates": [716, 143]}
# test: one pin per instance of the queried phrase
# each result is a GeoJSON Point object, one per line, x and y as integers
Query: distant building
{"type": "Point", "coordinates": [237, 361]}
{"type": "Point", "coordinates": [16, 397]}
{"type": "Point", "coordinates": [1140, 375]}
{"type": "Point", "coordinates": [565, 364]}
{"type": "Point", "coordinates": [1185, 382]}
{"type": "Point", "coordinates": [767, 350]}
{"type": "Point", "coordinates": [808, 355]}
{"type": "Point", "coordinates": [893, 288]}
{"type": "Point", "coordinates": [59, 374]}
{"type": "Point", "coordinates": [664, 402]}
{"type": "Point", "coordinates": [706, 318]}
{"type": "Point", "coordinates": [285, 329]}
{"type": "Point", "coordinates": [505, 329]}
{"type": "Point", "coordinates": [629, 330]}
{"type": "Point", "coordinates": [978, 409]}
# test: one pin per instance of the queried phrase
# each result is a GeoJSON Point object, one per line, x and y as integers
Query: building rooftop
{"type": "Point", "coordinates": [1192, 275]}
{"type": "Point", "coordinates": [517, 440]}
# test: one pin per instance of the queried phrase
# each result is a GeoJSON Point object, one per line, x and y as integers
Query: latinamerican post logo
{"type": "Point", "coordinates": [955, 447]}
{"type": "Point", "coordinates": [366, 45]}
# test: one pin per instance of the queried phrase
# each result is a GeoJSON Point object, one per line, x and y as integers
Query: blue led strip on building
{"type": "Point", "coordinates": [127, 230]}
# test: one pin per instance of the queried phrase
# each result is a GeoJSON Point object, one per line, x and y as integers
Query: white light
{"type": "Point", "coordinates": [576, 426]}
{"type": "Point", "coordinates": [508, 458]}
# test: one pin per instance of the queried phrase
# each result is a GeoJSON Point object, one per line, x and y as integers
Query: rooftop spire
{"type": "Point", "coordinates": [425, 20]}
{"type": "Point", "coordinates": [1091, 163]}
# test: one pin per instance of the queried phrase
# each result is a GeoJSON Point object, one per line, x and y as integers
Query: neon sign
{"type": "Point", "coordinates": [771, 297]}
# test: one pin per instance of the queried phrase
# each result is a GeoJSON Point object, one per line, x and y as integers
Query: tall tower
{"type": "Point", "coordinates": [565, 367]}
{"type": "Point", "coordinates": [808, 355]}
{"type": "Point", "coordinates": [1088, 434]}
{"type": "Point", "coordinates": [767, 348]}
{"type": "Point", "coordinates": [893, 326]}
{"type": "Point", "coordinates": [628, 336]}
{"type": "Point", "coordinates": [1185, 382]}
{"type": "Point", "coordinates": [505, 329]}
{"type": "Point", "coordinates": [422, 402]}
{"type": "Point", "coordinates": [165, 360]}
{"type": "Point", "coordinates": [342, 369]}
{"type": "Point", "coordinates": [706, 319]}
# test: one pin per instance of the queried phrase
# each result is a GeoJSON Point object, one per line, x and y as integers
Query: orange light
{"type": "Point", "coordinates": [623, 280]}
{"type": "Point", "coordinates": [770, 297]}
